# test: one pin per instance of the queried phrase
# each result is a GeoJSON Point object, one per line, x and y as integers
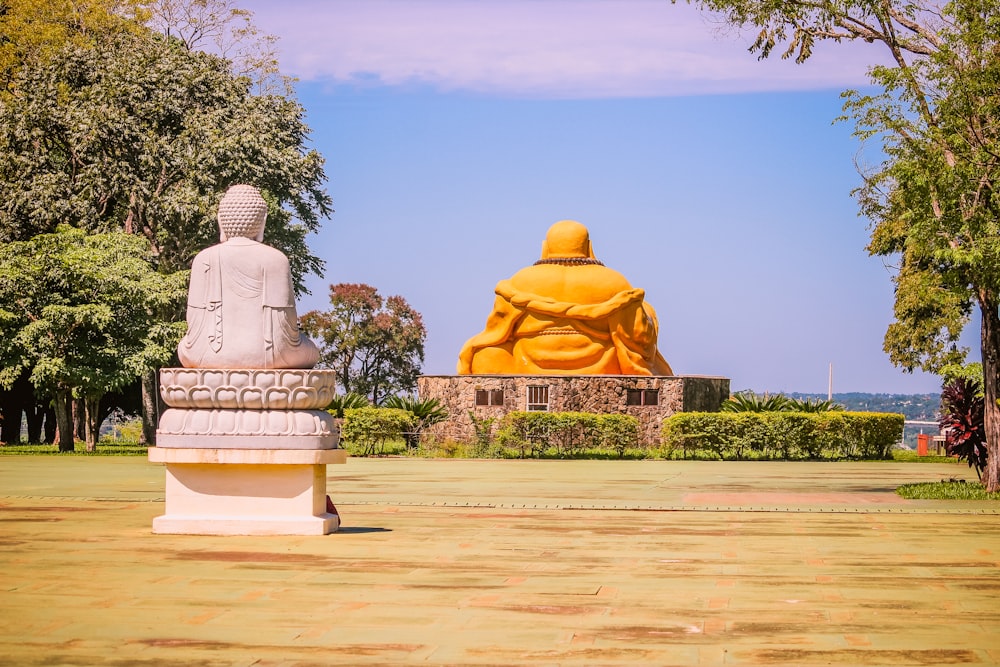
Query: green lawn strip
{"type": "Point", "coordinates": [104, 448]}
{"type": "Point", "coordinates": [946, 490]}
{"type": "Point", "coordinates": [910, 456]}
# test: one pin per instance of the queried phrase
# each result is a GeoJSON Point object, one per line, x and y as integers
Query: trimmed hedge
{"type": "Point", "coordinates": [570, 433]}
{"type": "Point", "coordinates": [781, 435]}
{"type": "Point", "coordinates": [368, 429]}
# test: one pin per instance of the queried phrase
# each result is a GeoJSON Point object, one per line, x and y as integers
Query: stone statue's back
{"type": "Point", "coordinates": [241, 311]}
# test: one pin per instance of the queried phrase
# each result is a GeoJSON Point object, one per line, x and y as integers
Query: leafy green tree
{"type": "Point", "coordinates": [220, 27]}
{"type": "Point", "coordinates": [933, 200]}
{"type": "Point", "coordinates": [374, 344]}
{"type": "Point", "coordinates": [33, 30]}
{"type": "Point", "coordinates": [80, 314]}
{"type": "Point", "coordinates": [140, 134]}
{"type": "Point", "coordinates": [971, 373]}
{"type": "Point", "coordinates": [137, 132]}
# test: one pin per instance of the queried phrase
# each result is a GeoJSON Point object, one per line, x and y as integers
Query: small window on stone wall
{"type": "Point", "coordinates": [643, 397]}
{"type": "Point", "coordinates": [538, 398]}
{"type": "Point", "coordinates": [489, 397]}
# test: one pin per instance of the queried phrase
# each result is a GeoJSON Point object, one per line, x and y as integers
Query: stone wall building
{"type": "Point", "coordinates": [649, 398]}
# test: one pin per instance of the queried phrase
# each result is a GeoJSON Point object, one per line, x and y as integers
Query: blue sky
{"type": "Point", "coordinates": [457, 131]}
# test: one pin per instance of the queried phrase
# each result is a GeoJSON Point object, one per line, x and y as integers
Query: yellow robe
{"type": "Point", "coordinates": [589, 321]}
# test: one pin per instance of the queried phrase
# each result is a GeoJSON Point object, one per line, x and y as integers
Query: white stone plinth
{"type": "Point", "coordinates": [247, 429]}
{"type": "Point", "coordinates": [246, 491]}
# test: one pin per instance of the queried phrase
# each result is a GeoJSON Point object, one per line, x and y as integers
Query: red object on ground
{"type": "Point", "coordinates": [922, 440]}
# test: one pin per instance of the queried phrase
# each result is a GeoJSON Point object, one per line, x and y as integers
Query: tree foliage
{"type": "Point", "coordinates": [223, 28]}
{"type": "Point", "coordinates": [375, 344]}
{"type": "Point", "coordinates": [31, 31]}
{"type": "Point", "coordinates": [139, 133]}
{"type": "Point", "coordinates": [80, 314]}
{"type": "Point", "coordinates": [106, 124]}
{"type": "Point", "coordinates": [933, 200]}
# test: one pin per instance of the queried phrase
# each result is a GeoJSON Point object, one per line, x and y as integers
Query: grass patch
{"type": "Point", "coordinates": [952, 489]}
{"type": "Point", "coordinates": [910, 456]}
{"type": "Point", "coordinates": [104, 448]}
{"type": "Point", "coordinates": [394, 447]}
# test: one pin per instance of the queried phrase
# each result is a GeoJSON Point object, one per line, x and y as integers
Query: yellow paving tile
{"type": "Point", "coordinates": [507, 563]}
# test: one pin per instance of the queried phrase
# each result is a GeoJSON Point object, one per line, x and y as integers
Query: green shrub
{"type": "Point", "coordinates": [963, 420]}
{"type": "Point", "coordinates": [619, 433]}
{"type": "Point", "coordinates": [366, 430]}
{"type": "Point", "coordinates": [566, 434]}
{"type": "Point", "coordinates": [484, 446]}
{"type": "Point", "coordinates": [781, 435]}
{"type": "Point", "coordinates": [524, 433]}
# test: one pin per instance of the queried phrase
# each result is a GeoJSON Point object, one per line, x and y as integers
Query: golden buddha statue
{"type": "Point", "coordinates": [568, 314]}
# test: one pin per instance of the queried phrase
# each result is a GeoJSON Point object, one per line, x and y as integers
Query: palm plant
{"type": "Point", "coordinates": [813, 405]}
{"type": "Point", "coordinates": [426, 412]}
{"type": "Point", "coordinates": [963, 422]}
{"type": "Point", "coordinates": [348, 401]}
{"type": "Point", "coordinates": [748, 401]}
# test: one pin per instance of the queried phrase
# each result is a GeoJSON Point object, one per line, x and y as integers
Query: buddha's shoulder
{"type": "Point", "coordinates": [248, 248]}
{"type": "Point", "coordinates": [541, 278]}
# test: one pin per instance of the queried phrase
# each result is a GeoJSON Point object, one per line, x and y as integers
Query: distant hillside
{"type": "Point", "coordinates": [915, 407]}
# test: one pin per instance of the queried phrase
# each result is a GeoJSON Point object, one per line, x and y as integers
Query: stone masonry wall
{"type": "Point", "coordinates": [600, 394]}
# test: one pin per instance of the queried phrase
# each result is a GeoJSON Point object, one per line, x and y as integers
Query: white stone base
{"type": "Point", "coordinates": [221, 525]}
{"type": "Point", "coordinates": [246, 491]}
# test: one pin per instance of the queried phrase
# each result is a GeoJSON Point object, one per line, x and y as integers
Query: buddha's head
{"type": "Point", "coordinates": [242, 213]}
{"type": "Point", "coordinates": [567, 239]}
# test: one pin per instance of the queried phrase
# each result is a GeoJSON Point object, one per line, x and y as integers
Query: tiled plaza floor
{"type": "Point", "coordinates": [508, 563]}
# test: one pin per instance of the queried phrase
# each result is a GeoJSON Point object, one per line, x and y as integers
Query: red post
{"type": "Point", "coordinates": [922, 440]}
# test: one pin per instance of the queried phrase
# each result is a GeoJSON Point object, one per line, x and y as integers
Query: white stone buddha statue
{"type": "Point", "coordinates": [241, 304]}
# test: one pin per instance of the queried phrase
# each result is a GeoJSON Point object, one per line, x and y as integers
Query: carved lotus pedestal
{"type": "Point", "coordinates": [246, 451]}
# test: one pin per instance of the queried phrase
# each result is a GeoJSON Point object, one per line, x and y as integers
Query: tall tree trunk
{"type": "Point", "coordinates": [991, 386]}
{"type": "Point", "coordinates": [50, 425]}
{"type": "Point", "coordinates": [92, 421]}
{"type": "Point", "coordinates": [63, 405]}
{"type": "Point", "coordinates": [13, 404]}
{"type": "Point", "coordinates": [35, 415]}
{"type": "Point", "coordinates": [10, 417]}
{"type": "Point", "coordinates": [150, 407]}
{"type": "Point", "coordinates": [79, 419]}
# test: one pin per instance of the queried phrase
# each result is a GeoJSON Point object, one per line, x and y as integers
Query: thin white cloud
{"type": "Point", "coordinates": [537, 48]}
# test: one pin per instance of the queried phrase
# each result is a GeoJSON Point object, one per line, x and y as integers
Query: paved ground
{"type": "Point", "coordinates": [508, 563]}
